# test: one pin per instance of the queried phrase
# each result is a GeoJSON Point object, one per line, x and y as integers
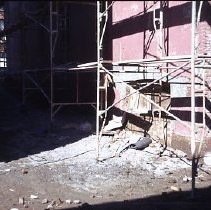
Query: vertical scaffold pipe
{"type": "Point", "coordinates": [193, 143]}
{"type": "Point", "coordinates": [51, 59]}
{"type": "Point", "coordinates": [98, 77]}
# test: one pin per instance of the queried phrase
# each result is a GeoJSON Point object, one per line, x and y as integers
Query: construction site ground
{"type": "Point", "coordinates": [54, 166]}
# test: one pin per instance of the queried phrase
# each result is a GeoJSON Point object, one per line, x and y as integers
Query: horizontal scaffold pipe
{"type": "Point", "coordinates": [166, 59]}
{"type": "Point", "coordinates": [137, 90]}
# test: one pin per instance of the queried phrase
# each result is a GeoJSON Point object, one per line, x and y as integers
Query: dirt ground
{"type": "Point", "coordinates": [45, 166]}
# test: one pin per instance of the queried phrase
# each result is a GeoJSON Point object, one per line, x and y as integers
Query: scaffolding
{"type": "Point", "coordinates": [46, 85]}
{"type": "Point", "coordinates": [165, 66]}
{"type": "Point", "coordinates": [196, 63]}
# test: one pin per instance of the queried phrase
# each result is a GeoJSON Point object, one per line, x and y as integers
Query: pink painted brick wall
{"type": "Point", "coordinates": [127, 15]}
{"type": "Point", "coordinates": [133, 35]}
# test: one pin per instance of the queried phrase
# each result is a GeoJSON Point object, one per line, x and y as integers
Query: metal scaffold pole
{"type": "Point", "coordinates": [192, 62]}
{"type": "Point", "coordinates": [51, 59]}
{"type": "Point", "coordinates": [53, 31]}
{"type": "Point", "coordinates": [98, 77]}
{"type": "Point", "coordinates": [193, 143]}
{"type": "Point", "coordinates": [102, 18]}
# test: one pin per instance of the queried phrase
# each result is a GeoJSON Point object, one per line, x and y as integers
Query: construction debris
{"type": "Point", "coordinates": [207, 158]}
{"type": "Point", "coordinates": [142, 143]}
{"type": "Point", "coordinates": [186, 179]}
{"type": "Point", "coordinates": [33, 196]}
{"type": "Point", "coordinates": [21, 200]}
{"type": "Point", "coordinates": [114, 124]}
{"type": "Point", "coordinates": [59, 201]}
{"type": "Point", "coordinates": [68, 201]}
{"type": "Point", "coordinates": [51, 205]}
{"type": "Point", "coordinates": [179, 153]}
{"type": "Point", "coordinates": [26, 206]}
{"type": "Point", "coordinates": [44, 201]}
{"type": "Point", "coordinates": [76, 201]}
{"type": "Point", "coordinates": [172, 181]}
{"type": "Point", "coordinates": [177, 189]}
{"type": "Point", "coordinates": [25, 171]}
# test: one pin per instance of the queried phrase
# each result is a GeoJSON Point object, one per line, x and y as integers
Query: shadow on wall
{"type": "Point", "coordinates": [107, 40]}
{"type": "Point", "coordinates": [166, 201]}
{"type": "Point", "coordinates": [174, 16]}
{"type": "Point", "coordinates": [141, 122]}
{"type": "Point", "coordinates": [182, 102]}
{"type": "Point", "coordinates": [131, 118]}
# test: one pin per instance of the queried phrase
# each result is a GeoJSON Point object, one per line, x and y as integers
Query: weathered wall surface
{"type": "Point", "coordinates": [133, 37]}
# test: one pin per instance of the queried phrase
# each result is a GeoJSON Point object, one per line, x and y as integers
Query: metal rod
{"type": "Point", "coordinates": [199, 13]}
{"type": "Point", "coordinates": [51, 60]}
{"type": "Point", "coordinates": [23, 88]}
{"type": "Point", "coordinates": [81, 3]}
{"type": "Point", "coordinates": [204, 56]}
{"type": "Point", "coordinates": [162, 109]}
{"type": "Point", "coordinates": [104, 26]}
{"type": "Point", "coordinates": [178, 58]}
{"type": "Point", "coordinates": [203, 113]}
{"type": "Point", "coordinates": [30, 17]}
{"type": "Point", "coordinates": [203, 66]}
{"type": "Point", "coordinates": [35, 70]}
{"type": "Point", "coordinates": [160, 78]}
{"type": "Point", "coordinates": [106, 91]}
{"type": "Point", "coordinates": [57, 109]}
{"type": "Point", "coordinates": [161, 30]}
{"type": "Point", "coordinates": [33, 88]}
{"type": "Point", "coordinates": [73, 103]}
{"type": "Point", "coordinates": [94, 63]}
{"type": "Point", "coordinates": [56, 31]}
{"type": "Point", "coordinates": [98, 77]}
{"type": "Point", "coordinates": [204, 99]}
{"type": "Point", "coordinates": [106, 10]}
{"type": "Point", "coordinates": [37, 85]}
{"type": "Point", "coordinates": [77, 86]}
{"type": "Point", "coordinates": [193, 143]}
